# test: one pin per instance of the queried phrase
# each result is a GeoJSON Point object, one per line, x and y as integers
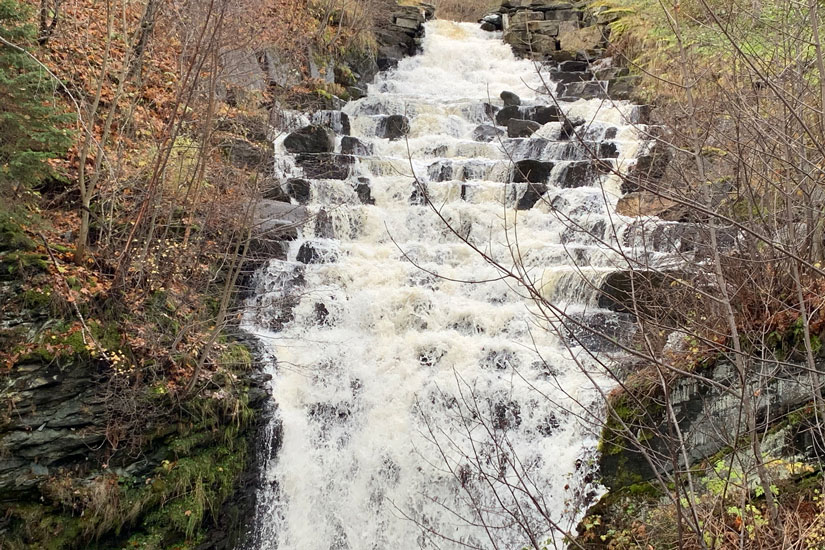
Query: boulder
{"type": "Point", "coordinates": [503, 116]}
{"type": "Point", "coordinates": [312, 253]}
{"type": "Point", "coordinates": [573, 66]}
{"type": "Point", "coordinates": [566, 77]}
{"type": "Point", "coordinates": [364, 191]}
{"type": "Point", "coordinates": [517, 128]}
{"type": "Point", "coordinates": [592, 89]}
{"type": "Point", "coordinates": [487, 132]}
{"type": "Point", "coordinates": [298, 189]}
{"type": "Point", "coordinates": [323, 225]}
{"type": "Point", "coordinates": [488, 27]}
{"type": "Point", "coordinates": [495, 20]}
{"type": "Point", "coordinates": [587, 38]}
{"type": "Point", "coordinates": [649, 168]}
{"type": "Point", "coordinates": [577, 173]}
{"type": "Point", "coordinates": [544, 114]}
{"type": "Point", "coordinates": [568, 127]}
{"type": "Point", "coordinates": [271, 189]}
{"type": "Point", "coordinates": [314, 138]}
{"type": "Point", "coordinates": [623, 87]}
{"type": "Point", "coordinates": [354, 146]}
{"type": "Point", "coordinates": [532, 171]}
{"type": "Point", "coordinates": [540, 113]}
{"type": "Point", "coordinates": [393, 127]}
{"type": "Point", "coordinates": [531, 196]}
{"type": "Point", "coordinates": [510, 99]}
{"type": "Point", "coordinates": [325, 165]}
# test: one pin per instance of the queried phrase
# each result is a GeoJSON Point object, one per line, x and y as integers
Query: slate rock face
{"type": "Point", "coordinates": [325, 165]}
{"type": "Point", "coordinates": [354, 146]}
{"type": "Point", "coordinates": [314, 138]}
{"type": "Point", "coordinates": [393, 127]}
{"type": "Point", "coordinates": [337, 121]}
{"type": "Point", "coordinates": [487, 133]}
{"type": "Point", "coordinates": [532, 171]}
{"type": "Point", "coordinates": [517, 128]}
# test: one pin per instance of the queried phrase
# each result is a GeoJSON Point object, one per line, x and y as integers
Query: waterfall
{"type": "Point", "coordinates": [417, 392]}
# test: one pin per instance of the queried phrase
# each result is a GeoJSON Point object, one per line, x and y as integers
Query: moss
{"type": "Point", "coordinates": [12, 234]}
{"type": "Point", "coordinates": [37, 298]}
{"type": "Point", "coordinates": [167, 509]}
{"type": "Point", "coordinates": [236, 356]}
{"type": "Point", "coordinates": [19, 263]}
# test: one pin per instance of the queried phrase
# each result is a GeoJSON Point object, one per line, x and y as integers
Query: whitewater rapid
{"type": "Point", "coordinates": [422, 399]}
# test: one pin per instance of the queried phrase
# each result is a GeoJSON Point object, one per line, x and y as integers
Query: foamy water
{"type": "Point", "coordinates": [421, 402]}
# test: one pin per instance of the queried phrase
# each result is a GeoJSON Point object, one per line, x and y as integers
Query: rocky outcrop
{"type": "Point", "coordinates": [532, 171]}
{"type": "Point", "coordinates": [311, 139]}
{"type": "Point", "coordinates": [393, 127]}
{"type": "Point", "coordinates": [517, 128]}
{"type": "Point", "coordinates": [401, 33]}
{"type": "Point", "coordinates": [709, 412]}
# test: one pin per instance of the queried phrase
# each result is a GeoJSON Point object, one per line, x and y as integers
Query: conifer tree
{"type": "Point", "coordinates": [33, 127]}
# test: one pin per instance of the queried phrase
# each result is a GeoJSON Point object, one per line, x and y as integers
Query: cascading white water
{"type": "Point", "coordinates": [422, 401]}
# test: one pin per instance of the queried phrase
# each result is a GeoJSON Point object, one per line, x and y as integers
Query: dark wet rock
{"type": "Point", "coordinates": [506, 415]}
{"type": "Point", "coordinates": [271, 189]}
{"type": "Point", "coordinates": [364, 192]}
{"type": "Point", "coordinates": [517, 128]}
{"type": "Point", "coordinates": [298, 189]}
{"type": "Point", "coordinates": [337, 121]}
{"type": "Point", "coordinates": [583, 90]}
{"type": "Point", "coordinates": [495, 20]}
{"type": "Point", "coordinates": [510, 99]}
{"type": "Point", "coordinates": [568, 127]}
{"type": "Point", "coordinates": [532, 171]}
{"type": "Point", "coordinates": [393, 127]}
{"type": "Point", "coordinates": [487, 132]}
{"type": "Point", "coordinates": [579, 173]}
{"type": "Point", "coordinates": [531, 196]}
{"type": "Point", "coordinates": [325, 166]}
{"type": "Point", "coordinates": [649, 168]}
{"type": "Point", "coordinates": [623, 87]}
{"type": "Point", "coordinates": [608, 150]}
{"type": "Point", "coordinates": [321, 313]}
{"type": "Point", "coordinates": [276, 223]}
{"type": "Point", "coordinates": [504, 115]}
{"type": "Point", "coordinates": [323, 225]}
{"type": "Point", "coordinates": [418, 196]}
{"type": "Point", "coordinates": [566, 77]}
{"type": "Point", "coordinates": [544, 114]}
{"type": "Point", "coordinates": [443, 170]}
{"type": "Point", "coordinates": [490, 111]}
{"type": "Point", "coordinates": [312, 253]}
{"type": "Point", "coordinates": [573, 66]}
{"type": "Point", "coordinates": [354, 146]}
{"type": "Point", "coordinates": [488, 27]}
{"type": "Point", "coordinates": [311, 139]}
{"type": "Point", "coordinates": [356, 92]}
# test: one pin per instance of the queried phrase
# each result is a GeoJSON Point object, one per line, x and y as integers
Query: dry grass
{"type": "Point", "coordinates": [464, 10]}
